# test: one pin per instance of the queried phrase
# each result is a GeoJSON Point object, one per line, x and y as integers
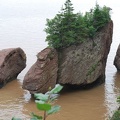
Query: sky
{"type": "Point", "coordinates": [44, 8]}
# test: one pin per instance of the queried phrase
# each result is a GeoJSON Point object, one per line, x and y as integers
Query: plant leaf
{"type": "Point", "coordinates": [54, 97]}
{"type": "Point", "coordinates": [39, 101]}
{"type": "Point", "coordinates": [35, 117]}
{"type": "Point", "coordinates": [57, 89]}
{"type": "Point", "coordinates": [16, 118]}
{"type": "Point", "coordinates": [118, 99]}
{"type": "Point", "coordinates": [41, 96]}
{"type": "Point", "coordinates": [44, 106]}
{"type": "Point", "coordinates": [53, 109]}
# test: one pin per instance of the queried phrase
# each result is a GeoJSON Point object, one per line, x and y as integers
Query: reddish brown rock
{"type": "Point", "coordinates": [43, 74]}
{"type": "Point", "coordinates": [75, 65]}
{"type": "Point", "coordinates": [117, 59]}
{"type": "Point", "coordinates": [86, 62]}
{"type": "Point", "coordinates": [12, 62]}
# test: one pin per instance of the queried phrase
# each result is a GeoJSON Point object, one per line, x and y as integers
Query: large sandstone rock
{"type": "Point", "coordinates": [85, 63]}
{"type": "Point", "coordinates": [117, 59]}
{"type": "Point", "coordinates": [12, 62]}
{"type": "Point", "coordinates": [43, 74]}
{"type": "Point", "coordinates": [76, 65]}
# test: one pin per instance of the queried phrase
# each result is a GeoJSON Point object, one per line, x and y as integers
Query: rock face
{"type": "Point", "coordinates": [76, 65]}
{"type": "Point", "coordinates": [12, 62]}
{"type": "Point", "coordinates": [85, 63]}
{"type": "Point", "coordinates": [43, 73]}
{"type": "Point", "coordinates": [117, 59]}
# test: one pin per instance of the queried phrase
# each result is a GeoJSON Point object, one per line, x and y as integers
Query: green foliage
{"type": "Point", "coordinates": [116, 115]}
{"type": "Point", "coordinates": [43, 106]}
{"type": "Point", "coordinates": [118, 99]}
{"type": "Point", "coordinates": [68, 28]}
{"type": "Point", "coordinates": [55, 90]}
{"type": "Point", "coordinates": [100, 16]}
{"type": "Point", "coordinates": [36, 117]}
{"type": "Point", "coordinates": [44, 103]}
{"type": "Point", "coordinates": [92, 69]}
{"type": "Point", "coordinates": [53, 109]}
{"type": "Point", "coordinates": [41, 96]}
{"type": "Point", "coordinates": [16, 118]}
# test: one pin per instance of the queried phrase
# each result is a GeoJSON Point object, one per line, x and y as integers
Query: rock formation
{"type": "Point", "coordinates": [43, 74]}
{"type": "Point", "coordinates": [85, 63]}
{"type": "Point", "coordinates": [117, 59]}
{"type": "Point", "coordinates": [77, 65]}
{"type": "Point", "coordinates": [12, 62]}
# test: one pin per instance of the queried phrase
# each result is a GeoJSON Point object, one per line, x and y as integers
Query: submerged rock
{"type": "Point", "coordinates": [12, 62]}
{"type": "Point", "coordinates": [117, 59]}
{"type": "Point", "coordinates": [43, 74]}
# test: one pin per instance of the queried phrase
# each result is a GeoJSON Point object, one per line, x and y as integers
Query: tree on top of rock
{"type": "Point", "coordinates": [68, 28]}
{"type": "Point", "coordinates": [61, 29]}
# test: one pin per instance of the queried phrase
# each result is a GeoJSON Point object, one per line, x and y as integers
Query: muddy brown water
{"type": "Point", "coordinates": [96, 103]}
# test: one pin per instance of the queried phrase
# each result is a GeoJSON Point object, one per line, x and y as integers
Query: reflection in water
{"type": "Point", "coordinates": [112, 91]}
{"type": "Point", "coordinates": [11, 101]}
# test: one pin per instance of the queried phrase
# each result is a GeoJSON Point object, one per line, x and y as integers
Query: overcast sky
{"type": "Point", "coordinates": [47, 8]}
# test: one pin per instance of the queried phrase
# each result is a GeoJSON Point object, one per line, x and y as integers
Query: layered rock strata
{"type": "Point", "coordinates": [43, 74]}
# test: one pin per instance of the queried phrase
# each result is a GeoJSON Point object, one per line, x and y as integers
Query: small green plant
{"type": "Point", "coordinates": [16, 118]}
{"type": "Point", "coordinates": [45, 102]}
{"type": "Point", "coordinates": [92, 69]}
{"type": "Point", "coordinates": [116, 115]}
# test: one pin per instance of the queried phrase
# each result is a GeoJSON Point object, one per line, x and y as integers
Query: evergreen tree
{"type": "Point", "coordinates": [68, 8]}
{"type": "Point", "coordinates": [61, 29]}
{"type": "Point", "coordinates": [100, 16]}
{"type": "Point", "coordinates": [67, 28]}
